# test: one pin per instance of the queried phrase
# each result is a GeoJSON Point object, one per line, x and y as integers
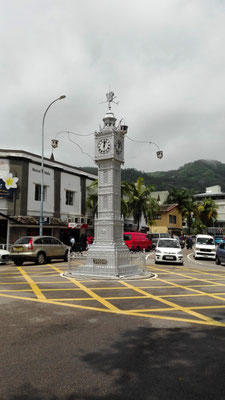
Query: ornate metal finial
{"type": "Point", "coordinates": [110, 99]}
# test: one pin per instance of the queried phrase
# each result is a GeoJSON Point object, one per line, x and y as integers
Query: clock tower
{"type": "Point", "coordinates": [108, 256]}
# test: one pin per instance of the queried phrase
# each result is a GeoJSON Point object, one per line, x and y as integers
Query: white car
{"type": "Point", "coordinates": [168, 250]}
{"type": "Point", "coordinates": [205, 247]}
{"type": "Point", "coordinates": [4, 256]}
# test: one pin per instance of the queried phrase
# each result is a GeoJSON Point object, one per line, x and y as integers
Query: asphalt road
{"type": "Point", "coordinates": [117, 340]}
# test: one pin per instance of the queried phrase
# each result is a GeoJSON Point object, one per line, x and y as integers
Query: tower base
{"type": "Point", "coordinates": [110, 261]}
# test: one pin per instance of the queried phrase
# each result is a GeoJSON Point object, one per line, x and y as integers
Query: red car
{"type": "Point", "coordinates": [137, 241]}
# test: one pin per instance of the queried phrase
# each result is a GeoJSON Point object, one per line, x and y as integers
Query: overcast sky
{"type": "Point", "coordinates": [164, 59]}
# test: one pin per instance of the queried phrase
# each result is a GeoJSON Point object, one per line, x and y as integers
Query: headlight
{"type": "Point", "coordinates": [158, 252]}
{"type": "Point", "coordinates": [179, 253]}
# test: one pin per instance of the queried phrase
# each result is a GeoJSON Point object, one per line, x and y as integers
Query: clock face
{"type": "Point", "coordinates": [104, 146]}
{"type": "Point", "coordinates": [118, 147]}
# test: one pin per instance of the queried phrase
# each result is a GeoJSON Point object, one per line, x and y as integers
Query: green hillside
{"type": "Point", "coordinates": [194, 175]}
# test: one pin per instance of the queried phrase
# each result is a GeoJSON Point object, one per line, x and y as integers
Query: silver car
{"type": "Point", "coordinates": [38, 249]}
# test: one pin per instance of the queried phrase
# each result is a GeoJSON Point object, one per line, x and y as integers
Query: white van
{"type": "Point", "coordinates": [204, 247]}
{"type": "Point", "coordinates": [154, 237]}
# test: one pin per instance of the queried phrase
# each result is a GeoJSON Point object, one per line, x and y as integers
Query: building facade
{"type": "Point", "coordinates": [65, 189]}
{"type": "Point", "coordinates": [168, 220]}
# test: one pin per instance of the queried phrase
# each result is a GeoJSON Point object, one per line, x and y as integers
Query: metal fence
{"type": "Point", "coordinates": [76, 260]}
{"type": "Point", "coordinates": [3, 246]}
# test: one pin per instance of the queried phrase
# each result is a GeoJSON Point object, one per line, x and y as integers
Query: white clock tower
{"type": "Point", "coordinates": [108, 256]}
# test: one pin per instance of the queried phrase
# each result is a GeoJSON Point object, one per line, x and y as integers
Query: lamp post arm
{"type": "Point", "coordinates": [42, 164]}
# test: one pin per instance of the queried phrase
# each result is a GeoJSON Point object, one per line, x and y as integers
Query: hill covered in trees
{"type": "Point", "coordinates": [194, 175]}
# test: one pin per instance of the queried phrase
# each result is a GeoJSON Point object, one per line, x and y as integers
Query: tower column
{"type": "Point", "coordinates": [108, 256]}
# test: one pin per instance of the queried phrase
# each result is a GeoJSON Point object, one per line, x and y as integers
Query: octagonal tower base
{"type": "Point", "coordinates": [110, 261]}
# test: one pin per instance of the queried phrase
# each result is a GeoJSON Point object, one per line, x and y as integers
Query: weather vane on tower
{"type": "Point", "coordinates": [110, 99]}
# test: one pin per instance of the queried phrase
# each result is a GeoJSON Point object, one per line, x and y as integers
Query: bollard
{"type": "Point", "coordinates": [69, 261]}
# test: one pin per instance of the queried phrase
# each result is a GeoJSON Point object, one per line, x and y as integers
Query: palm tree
{"type": "Point", "coordinates": [126, 191]}
{"type": "Point", "coordinates": [180, 196]}
{"type": "Point", "coordinates": [208, 211]}
{"type": "Point", "coordinates": [140, 202]}
{"type": "Point", "coordinates": [190, 211]}
{"type": "Point", "coordinates": [92, 199]}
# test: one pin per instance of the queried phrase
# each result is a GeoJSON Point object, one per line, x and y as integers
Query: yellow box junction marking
{"type": "Point", "coordinates": [169, 303]}
{"type": "Point", "coordinates": [110, 308]}
{"type": "Point", "coordinates": [32, 284]}
{"type": "Point", "coordinates": [90, 292]}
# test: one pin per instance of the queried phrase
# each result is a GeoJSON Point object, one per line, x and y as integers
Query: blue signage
{"type": "Point", "coordinates": [5, 192]}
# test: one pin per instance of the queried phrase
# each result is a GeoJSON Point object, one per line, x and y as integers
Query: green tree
{"type": "Point", "coordinates": [185, 203]}
{"type": "Point", "coordinates": [180, 196]}
{"type": "Point", "coordinates": [140, 202]}
{"type": "Point", "coordinates": [126, 191]}
{"type": "Point", "coordinates": [190, 212]}
{"type": "Point", "coordinates": [92, 198]}
{"type": "Point", "coordinates": [208, 212]}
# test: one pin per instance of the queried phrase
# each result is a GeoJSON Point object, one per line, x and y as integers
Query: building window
{"type": "Point", "coordinates": [69, 198]}
{"type": "Point", "coordinates": [37, 194]}
{"type": "Point", "coordinates": [172, 219]}
{"type": "Point", "coordinates": [158, 216]}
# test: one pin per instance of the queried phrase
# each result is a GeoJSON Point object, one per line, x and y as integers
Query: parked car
{"type": "Point", "coordinates": [204, 247]}
{"type": "Point", "coordinates": [219, 239]}
{"type": "Point", "coordinates": [168, 250]}
{"type": "Point", "coordinates": [137, 241]}
{"type": "Point", "coordinates": [38, 249]}
{"type": "Point", "coordinates": [154, 237]}
{"type": "Point", "coordinates": [220, 253]}
{"type": "Point", "coordinates": [4, 256]}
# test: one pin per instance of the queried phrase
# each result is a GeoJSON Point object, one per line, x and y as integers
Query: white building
{"type": "Point", "coordinates": [64, 197]}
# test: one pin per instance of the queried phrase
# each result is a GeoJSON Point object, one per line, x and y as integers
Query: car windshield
{"type": "Point", "coordinates": [127, 237]}
{"type": "Point", "coordinates": [164, 235]}
{"type": "Point", "coordinates": [23, 240]}
{"type": "Point", "coordinates": [205, 241]}
{"type": "Point", "coordinates": [168, 243]}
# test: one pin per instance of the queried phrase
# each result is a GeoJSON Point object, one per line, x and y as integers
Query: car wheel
{"type": "Point", "coordinates": [218, 262]}
{"type": "Point", "coordinates": [66, 256]}
{"type": "Point", "coordinates": [17, 262]}
{"type": "Point", "coordinates": [156, 262]}
{"type": "Point", "coordinates": [41, 258]}
{"type": "Point", "coordinates": [148, 248]}
{"type": "Point", "coordinates": [138, 248]}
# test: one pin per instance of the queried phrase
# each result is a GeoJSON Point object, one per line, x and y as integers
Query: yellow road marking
{"type": "Point", "coordinates": [90, 292]}
{"type": "Point", "coordinates": [189, 277]}
{"type": "Point", "coordinates": [113, 309]}
{"type": "Point", "coordinates": [32, 284]}
{"type": "Point", "coordinates": [202, 272]}
{"type": "Point", "coordinates": [134, 314]}
{"type": "Point", "coordinates": [194, 290]}
{"type": "Point", "coordinates": [214, 296]}
{"type": "Point", "coordinates": [169, 303]}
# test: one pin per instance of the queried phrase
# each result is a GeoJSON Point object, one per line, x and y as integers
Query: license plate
{"type": "Point", "coordinates": [168, 257]}
{"type": "Point", "coordinates": [17, 248]}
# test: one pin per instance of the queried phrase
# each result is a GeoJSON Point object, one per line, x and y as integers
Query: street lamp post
{"type": "Point", "coordinates": [42, 164]}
